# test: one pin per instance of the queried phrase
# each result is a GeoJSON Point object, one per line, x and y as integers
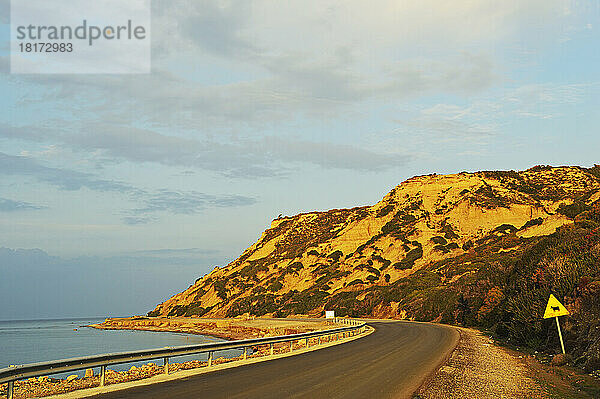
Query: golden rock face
{"type": "Point", "coordinates": [364, 255]}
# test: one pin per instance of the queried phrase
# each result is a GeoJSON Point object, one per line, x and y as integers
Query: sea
{"type": "Point", "coordinates": [32, 341]}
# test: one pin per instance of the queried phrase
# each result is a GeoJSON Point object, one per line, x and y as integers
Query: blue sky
{"type": "Point", "coordinates": [255, 108]}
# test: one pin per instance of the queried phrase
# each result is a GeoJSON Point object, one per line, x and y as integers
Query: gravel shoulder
{"type": "Point", "coordinates": [479, 369]}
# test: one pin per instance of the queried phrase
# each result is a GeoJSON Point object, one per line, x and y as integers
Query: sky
{"type": "Point", "coordinates": [117, 191]}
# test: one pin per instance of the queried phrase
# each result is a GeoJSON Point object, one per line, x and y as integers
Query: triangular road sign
{"type": "Point", "coordinates": [555, 308]}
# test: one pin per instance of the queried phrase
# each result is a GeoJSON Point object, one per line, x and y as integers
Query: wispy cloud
{"type": "Point", "coordinates": [484, 116]}
{"type": "Point", "coordinates": [186, 203]}
{"type": "Point", "coordinates": [241, 158]}
{"type": "Point", "coordinates": [153, 201]}
{"type": "Point", "coordinates": [65, 179]}
{"type": "Point", "coordinates": [8, 205]}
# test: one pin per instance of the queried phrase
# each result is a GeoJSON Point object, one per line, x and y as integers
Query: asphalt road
{"type": "Point", "coordinates": [392, 362]}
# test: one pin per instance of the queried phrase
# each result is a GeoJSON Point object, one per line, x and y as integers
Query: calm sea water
{"type": "Point", "coordinates": [30, 341]}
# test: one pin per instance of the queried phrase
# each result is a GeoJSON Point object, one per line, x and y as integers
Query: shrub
{"type": "Point", "coordinates": [336, 255]}
{"type": "Point", "coordinates": [572, 210]}
{"type": "Point", "coordinates": [439, 240]}
{"type": "Point", "coordinates": [532, 222]}
{"type": "Point", "coordinates": [275, 286]}
{"type": "Point", "coordinates": [410, 258]}
{"type": "Point", "coordinates": [384, 211]}
{"type": "Point", "coordinates": [355, 281]}
{"type": "Point", "coordinates": [505, 229]}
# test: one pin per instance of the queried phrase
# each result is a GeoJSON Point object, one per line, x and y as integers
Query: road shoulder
{"type": "Point", "coordinates": [479, 369]}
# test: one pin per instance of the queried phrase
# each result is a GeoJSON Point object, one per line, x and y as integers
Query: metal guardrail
{"type": "Point", "coordinates": [14, 373]}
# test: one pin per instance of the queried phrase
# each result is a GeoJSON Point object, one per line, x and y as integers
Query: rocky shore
{"type": "Point", "coordinates": [236, 328]}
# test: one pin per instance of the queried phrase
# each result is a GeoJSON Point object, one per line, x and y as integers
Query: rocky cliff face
{"type": "Point", "coordinates": [414, 254]}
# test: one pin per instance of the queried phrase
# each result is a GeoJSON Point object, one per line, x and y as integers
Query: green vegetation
{"type": "Point", "coordinates": [410, 258]}
{"type": "Point", "coordinates": [439, 240]}
{"type": "Point", "coordinates": [532, 222]}
{"type": "Point", "coordinates": [385, 211]}
{"type": "Point", "coordinates": [572, 210]}
{"type": "Point", "coordinates": [335, 255]}
{"type": "Point", "coordinates": [499, 281]}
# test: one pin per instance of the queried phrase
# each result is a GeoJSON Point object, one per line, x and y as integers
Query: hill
{"type": "Point", "coordinates": [484, 248]}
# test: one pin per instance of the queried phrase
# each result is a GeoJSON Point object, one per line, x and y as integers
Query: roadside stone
{"type": "Point", "coordinates": [72, 377]}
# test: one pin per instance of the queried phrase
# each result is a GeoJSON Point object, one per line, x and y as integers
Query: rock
{"type": "Point", "coordinates": [72, 377]}
{"type": "Point", "coordinates": [43, 378]}
{"type": "Point", "coordinates": [133, 368]}
{"type": "Point", "coordinates": [561, 359]}
{"type": "Point", "coordinates": [89, 373]}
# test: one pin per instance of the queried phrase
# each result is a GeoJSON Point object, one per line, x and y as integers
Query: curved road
{"type": "Point", "coordinates": [392, 362]}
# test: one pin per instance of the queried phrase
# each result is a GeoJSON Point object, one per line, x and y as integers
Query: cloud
{"type": "Point", "coordinates": [7, 205]}
{"type": "Point", "coordinates": [215, 27]}
{"type": "Point", "coordinates": [269, 156]}
{"type": "Point", "coordinates": [14, 165]}
{"type": "Point", "coordinates": [259, 77]}
{"type": "Point", "coordinates": [544, 100]}
{"type": "Point", "coordinates": [4, 11]}
{"type": "Point", "coordinates": [183, 203]}
{"type": "Point", "coordinates": [485, 116]}
{"type": "Point", "coordinates": [174, 202]}
{"type": "Point", "coordinates": [137, 220]}
{"type": "Point", "coordinates": [328, 155]}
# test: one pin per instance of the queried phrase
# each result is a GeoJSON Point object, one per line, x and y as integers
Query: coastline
{"type": "Point", "coordinates": [229, 329]}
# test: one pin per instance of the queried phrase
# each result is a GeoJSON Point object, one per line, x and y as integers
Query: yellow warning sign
{"type": "Point", "coordinates": [555, 308]}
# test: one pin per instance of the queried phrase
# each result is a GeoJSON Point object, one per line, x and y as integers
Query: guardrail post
{"type": "Point", "coordinates": [245, 353]}
{"type": "Point", "coordinates": [210, 358]}
{"type": "Point", "coordinates": [10, 388]}
{"type": "Point", "coordinates": [271, 349]}
{"type": "Point", "coordinates": [306, 342]}
{"type": "Point", "coordinates": [102, 375]}
{"type": "Point", "coordinates": [319, 340]}
{"type": "Point", "coordinates": [166, 363]}
{"type": "Point", "coordinates": [291, 346]}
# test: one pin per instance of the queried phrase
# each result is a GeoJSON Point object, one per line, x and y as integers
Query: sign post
{"type": "Point", "coordinates": [554, 309]}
